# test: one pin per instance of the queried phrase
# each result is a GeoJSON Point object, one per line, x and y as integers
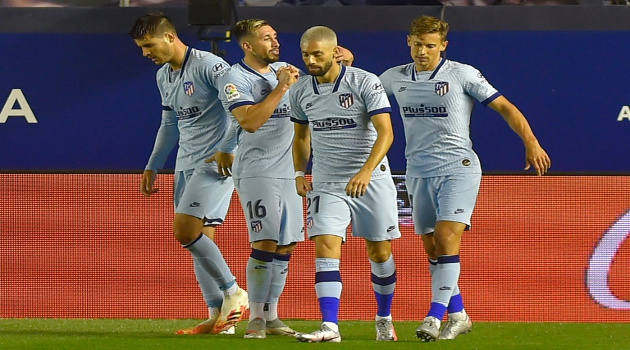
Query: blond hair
{"type": "Point", "coordinates": [428, 25]}
{"type": "Point", "coordinates": [319, 33]}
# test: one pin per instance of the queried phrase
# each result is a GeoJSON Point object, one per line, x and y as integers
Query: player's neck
{"type": "Point", "coordinates": [257, 64]}
{"type": "Point", "coordinates": [428, 68]}
{"type": "Point", "coordinates": [331, 75]}
{"type": "Point", "coordinates": [179, 55]}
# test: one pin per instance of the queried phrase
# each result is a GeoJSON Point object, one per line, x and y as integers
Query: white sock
{"type": "Point", "coordinates": [378, 318]}
{"type": "Point", "coordinates": [231, 290]}
{"type": "Point", "coordinates": [272, 311]}
{"type": "Point", "coordinates": [214, 312]}
{"type": "Point", "coordinates": [333, 326]}
{"type": "Point", "coordinates": [457, 316]}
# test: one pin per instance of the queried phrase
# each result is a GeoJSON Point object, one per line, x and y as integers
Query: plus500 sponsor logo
{"type": "Point", "coordinates": [333, 124]}
{"type": "Point", "coordinates": [599, 266]}
{"type": "Point", "coordinates": [425, 111]}
{"type": "Point", "coordinates": [187, 113]}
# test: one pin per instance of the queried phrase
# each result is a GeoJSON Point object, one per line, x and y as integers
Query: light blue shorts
{"type": "Point", "coordinates": [272, 208]}
{"type": "Point", "coordinates": [374, 216]}
{"type": "Point", "coordinates": [204, 194]}
{"type": "Point", "coordinates": [442, 198]}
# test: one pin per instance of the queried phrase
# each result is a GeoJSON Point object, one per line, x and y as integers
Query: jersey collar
{"type": "Point", "coordinates": [251, 70]}
{"type": "Point", "coordinates": [435, 71]}
{"type": "Point", "coordinates": [181, 70]}
{"type": "Point", "coordinates": [342, 73]}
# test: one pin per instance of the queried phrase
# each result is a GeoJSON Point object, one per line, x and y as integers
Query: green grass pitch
{"type": "Point", "coordinates": [356, 335]}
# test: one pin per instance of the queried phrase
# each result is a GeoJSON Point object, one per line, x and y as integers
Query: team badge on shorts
{"type": "Point", "coordinates": [346, 100]}
{"type": "Point", "coordinates": [256, 226]}
{"type": "Point", "coordinates": [309, 222]}
{"type": "Point", "coordinates": [441, 88]}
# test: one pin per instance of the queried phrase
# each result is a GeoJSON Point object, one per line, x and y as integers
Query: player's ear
{"type": "Point", "coordinates": [246, 46]}
{"type": "Point", "coordinates": [170, 37]}
{"type": "Point", "coordinates": [336, 51]}
{"type": "Point", "coordinates": [408, 41]}
{"type": "Point", "coordinates": [444, 45]}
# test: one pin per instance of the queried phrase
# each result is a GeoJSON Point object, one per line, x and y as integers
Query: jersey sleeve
{"type": "Point", "coordinates": [159, 79]}
{"type": "Point", "coordinates": [477, 86]}
{"type": "Point", "coordinates": [235, 90]}
{"type": "Point", "coordinates": [213, 69]}
{"type": "Point", "coordinates": [374, 95]}
{"type": "Point", "coordinates": [297, 113]}
{"type": "Point", "coordinates": [165, 140]}
{"type": "Point", "coordinates": [386, 80]}
{"type": "Point", "coordinates": [230, 141]}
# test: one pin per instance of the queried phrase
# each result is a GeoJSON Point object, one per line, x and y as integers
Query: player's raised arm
{"type": "Point", "coordinates": [251, 117]}
{"type": "Point", "coordinates": [344, 56]}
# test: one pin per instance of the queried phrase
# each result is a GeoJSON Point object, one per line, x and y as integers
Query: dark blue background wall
{"type": "Point", "coordinates": [98, 108]}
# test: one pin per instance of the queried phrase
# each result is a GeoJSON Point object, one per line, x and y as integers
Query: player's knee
{"type": "Point", "coordinates": [186, 228]}
{"type": "Point", "coordinates": [379, 251]}
{"type": "Point", "coordinates": [447, 244]}
{"type": "Point", "coordinates": [380, 256]}
{"type": "Point", "coordinates": [286, 249]}
{"type": "Point", "coordinates": [183, 236]}
{"type": "Point", "coordinates": [265, 245]}
{"type": "Point", "coordinates": [328, 246]}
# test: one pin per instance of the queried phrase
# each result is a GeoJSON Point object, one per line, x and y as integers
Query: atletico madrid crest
{"type": "Point", "coordinates": [256, 226]}
{"type": "Point", "coordinates": [441, 88]}
{"type": "Point", "coordinates": [189, 88]}
{"type": "Point", "coordinates": [346, 100]}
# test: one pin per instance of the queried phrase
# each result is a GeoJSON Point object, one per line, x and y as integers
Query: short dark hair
{"type": "Point", "coordinates": [153, 24]}
{"type": "Point", "coordinates": [247, 27]}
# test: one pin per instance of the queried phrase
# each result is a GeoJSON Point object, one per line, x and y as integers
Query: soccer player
{"type": "Point", "coordinates": [344, 112]}
{"type": "Point", "coordinates": [436, 97]}
{"type": "Point", "coordinates": [254, 91]}
{"type": "Point", "coordinates": [193, 114]}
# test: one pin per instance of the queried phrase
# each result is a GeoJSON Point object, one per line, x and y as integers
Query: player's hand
{"type": "Point", "coordinates": [146, 185]}
{"type": "Point", "coordinates": [287, 76]}
{"type": "Point", "coordinates": [303, 186]}
{"type": "Point", "coordinates": [358, 184]}
{"type": "Point", "coordinates": [537, 157]}
{"type": "Point", "coordinates": [224, 162]}
{"type": "Point", "coordinates": [344, 56]}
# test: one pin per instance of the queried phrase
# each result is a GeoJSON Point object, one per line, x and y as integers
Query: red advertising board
{"type": "Point", "coordinates": [550, 248]}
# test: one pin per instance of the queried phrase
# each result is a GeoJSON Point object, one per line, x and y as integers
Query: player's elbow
{"type": "Point", "coordinates": [249, 127]}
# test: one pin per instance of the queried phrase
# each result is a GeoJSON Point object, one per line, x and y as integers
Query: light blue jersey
{"type": "Point", "coordinates": [190, 99]}
{"type": "Point", "coordinates": [339, 117]}
{"type": "Point", "coordinates": [266, 152]}
{"type": "Point", "coordinates": [436, 107]}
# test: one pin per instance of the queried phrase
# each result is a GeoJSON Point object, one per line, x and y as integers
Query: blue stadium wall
{"type": "Point", "coordinates": [77, 95]}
